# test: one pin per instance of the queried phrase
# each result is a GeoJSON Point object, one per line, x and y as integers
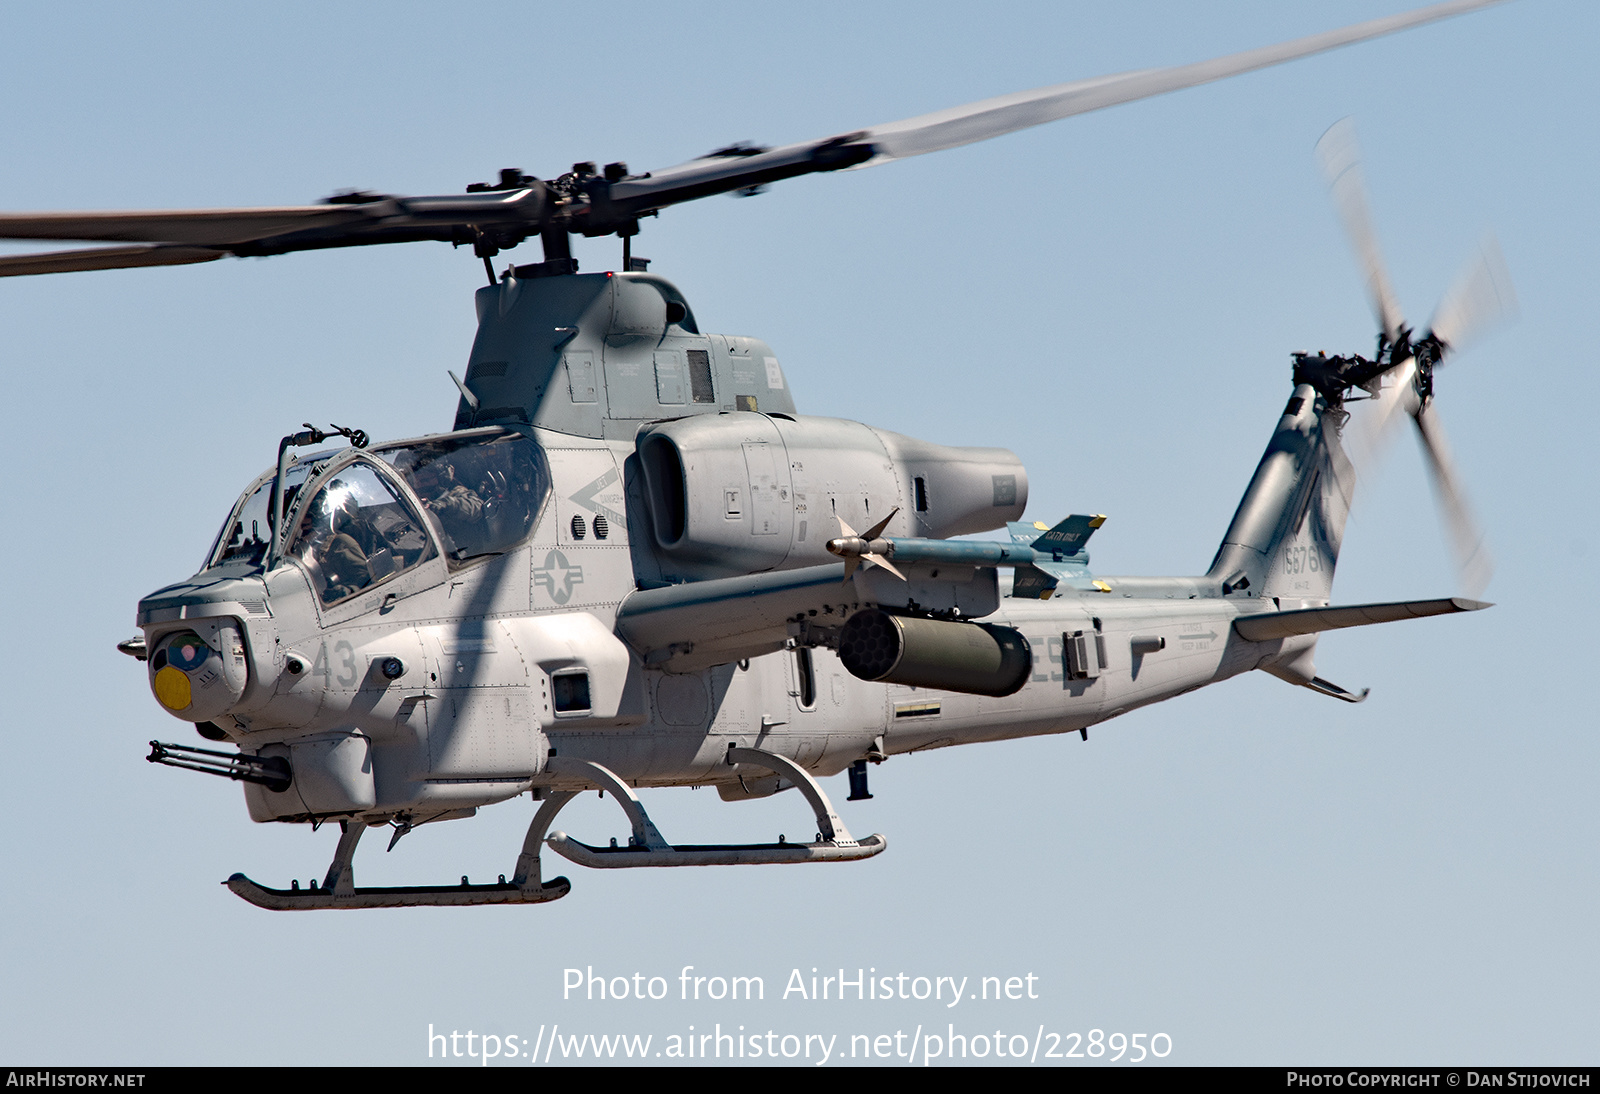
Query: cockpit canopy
{"type": "Point", "coordinates": [466, 496]}
{"type": "Point", "coordinates": [248, 533]}
{"type": "Point", "coordinates": [482, 493]}
{"type": "Point", "coordinates": [356, 532]}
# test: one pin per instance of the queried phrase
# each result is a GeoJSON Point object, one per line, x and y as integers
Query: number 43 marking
{"type": "Point", "coordinates": [345, 655]}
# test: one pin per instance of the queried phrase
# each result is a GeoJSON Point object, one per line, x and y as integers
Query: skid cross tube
{"type": "Point", "coordinates": [829, 826]}
{"type": "Point", "coordinates": [527, 875]}
{"type": "Point", "coordinates": [644, 829]}
{"type": "Point", "coordinates": [648, 848]}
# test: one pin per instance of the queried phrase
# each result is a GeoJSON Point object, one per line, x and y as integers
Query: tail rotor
{"type": "Point", "coordinates": [1400, 377]}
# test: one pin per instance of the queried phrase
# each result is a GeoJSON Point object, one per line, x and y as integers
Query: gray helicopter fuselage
{"type": "Point", "coordinates": [670, 595]}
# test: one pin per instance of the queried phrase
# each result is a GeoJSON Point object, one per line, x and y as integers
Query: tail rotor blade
{"type": "Point", "coordinates": [1466, 538]}
{"type": "Point", "coordinates": [1381, 414]}
{"type": "Point", "coordinates": [1481, 298]}
{"type": "Point", "coordinates": [1339, 153]}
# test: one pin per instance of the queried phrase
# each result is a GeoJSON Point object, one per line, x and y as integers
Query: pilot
{"type": "Point", "coordinates": [460, 509]}
{"type": "Point", "coordinates": [326, 538]}
{"type": "Point", "coordinates": [351, 521]}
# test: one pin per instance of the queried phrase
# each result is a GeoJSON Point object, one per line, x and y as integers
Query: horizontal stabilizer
{"type": "Point", "coordinates": [1270, 625]}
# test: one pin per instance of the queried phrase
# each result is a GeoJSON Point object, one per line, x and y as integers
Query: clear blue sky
{"type": "Point", "coordinates": [1263, 874]}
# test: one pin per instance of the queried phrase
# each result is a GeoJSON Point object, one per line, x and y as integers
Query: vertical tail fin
{"type": "Point", "coordinates": [1285, 536]}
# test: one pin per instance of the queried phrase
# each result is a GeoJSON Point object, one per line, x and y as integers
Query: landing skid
{"type": "Point", "coordinates": [645, 847]}
{"type": "Point", "coordinates": [398, 896]}
{"type": "Point", "coordinates": [713, 854]}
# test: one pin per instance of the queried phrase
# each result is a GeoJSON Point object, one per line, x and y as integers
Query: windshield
{"type": "Point", "coordinates": [246, 535]}
{"type": "Point", "coordinates": [482, 494]}
{"type": "Point", "coordinates": [355, 533]}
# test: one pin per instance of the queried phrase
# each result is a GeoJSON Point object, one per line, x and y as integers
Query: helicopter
{"type": "Point", "coordinates": [642, 533]}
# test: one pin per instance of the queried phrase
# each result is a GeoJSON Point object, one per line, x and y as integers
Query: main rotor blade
{"type": "Point", "coordinates": [194, 226]}
{"type": "Point", "coordinates": [1339, 153]}
{"type": "Point", "coordinates": [104, 258]}
{"type": "Point", "coordinates": [593, 206]}
{"type": "Point", "coordinates": [506, 216]}
{"type": "Point", "coordinates": [1466, 538]}
{"type": "Point", "coordinates": [1009, 113]}
{"type": "Point", "coordinates": [980, 121]}
{"type": "Point", "coordinates": [1481, 298]}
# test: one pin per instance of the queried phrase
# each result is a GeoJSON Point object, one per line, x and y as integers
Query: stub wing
{"type": "Point", "coordinates": [729, 618]}
{"type": "Point", "coordinates": [685, 628]}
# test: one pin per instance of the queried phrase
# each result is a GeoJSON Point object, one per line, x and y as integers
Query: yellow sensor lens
{"type": "Point", "coordinates": [172, 688]}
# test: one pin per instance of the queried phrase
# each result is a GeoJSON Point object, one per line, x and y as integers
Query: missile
{"type": "Point", "coordinates": [1053, 556]}
{"type": "Point", "coordinates": [1063, 543]}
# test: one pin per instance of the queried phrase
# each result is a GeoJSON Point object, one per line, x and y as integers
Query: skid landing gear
{"type": "Point", "coordinates": [645, 848]}
{"type": "Point", "coordinates": [339, 889]}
